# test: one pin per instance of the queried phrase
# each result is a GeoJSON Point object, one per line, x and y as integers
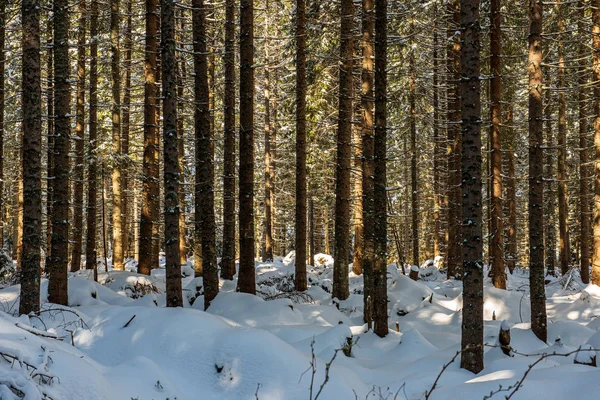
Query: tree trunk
{"type": "Point", "coordinates": [454, 146]}
{"type": "Point", "coordinates": [368, 166]}
{"type": "Point", "coordinates": [126, 190]}
{"type": "Point", "coordinates": [596, 78]}
{"type": "Point", "coordinates": [2, 97]}
{"type": "Point", "coordinates": [228, 257]}
{"type": "Point", "coordinates": [181, 77]}
{"type": "Point", "coordinates": [91, 254]}
{"type": "Point", "coordinates": [300, 218]}
{"type": "Point", "coordinates": [117, 183]}
{"type": "Point", "coordinates": [536, 175]}
{"type": "Point", "coordinates": [437, 195]}
{"type": "Point", "coordinates": [584, 159]}
{"type": "Point", "coordinates": [171, 169]}
{"type": "Point", "coordinates": [148, 257]}
{"type": "Point", "coordinates": [204, 161]}
{"type": "Point", "coordinates": [550, 193]}
{"type": "Point", "coordinates": [414, 194]}
{"type": "Point", "coordinates": [380, 181]}
{"type": "Point", "coordinates": [50, 134]}
{"type": "Point", "coordinates": [59, 259]}
{"type": "Point", "coordinates": [496, 235]}
{"type": "Point", "coordinates": [79, 140]}
{"type": "Point", "coordinates": [344, 153]}
{"type": "Point", "coordinates": [563, 201]}
{"type": "Point", "coordinates": [268, 218]}
{"type": "Point", "coordinates": [32, 146]}
{"type": "Point", "coordinates": [247, 276]}
{"type": "Point", "coordinates": [472, 248]}
{"type": "Point", "coordinates": [511, 193]}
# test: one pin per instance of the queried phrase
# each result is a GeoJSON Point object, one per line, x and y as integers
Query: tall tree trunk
{"type": "Point", "coordinates": [380, 181]}
{"type": "Point", "coordinates": [126, 190]}
{"type": "Point", "coordinates": [50, 134]}
{"type": "Point", "coordinates": [368, 168]}
{"type": "Point", "coordinates": [300, 218]}
{"type": "Point", "coordinates": [205, 208]}
{"type": "Point", "coordinates": [536, 175]}
{"type": "Point", "coordinates": [2, 97]}
{"type": "Point", "coordinates": [312, 237]}
{"type": "Point", "coordinates": [228, 257]}
{"type": "Point", "coordinates": [79, 138]}
{"type": "Point", "coordinates": [181, 76]}
{"type": "Point", "coordinates": [117, 182]}
{"type": "Point", "coordinates": [584, 159]}
{"type": "Point", "coordinates": [454, 255]}
{"type": "Point", "coordinates": [59, 259]}
{"type": "Point", "coordinates": [268, 219]}
{"type": "Point", "coordinates": [414, 195]}
{"type": "Point", "coordinates": [472, 248]}
{"type": "Point", "coordinates": [344, 153]}
{"type": "Point", "coordinates": [596, 78]}
{"type": "Point", "coordinates": [247, 276]}
{"type": "Point", "coordinates": [91, 253]}
{"type": "Point", "coordinates": [511, 191]}
{"type": "Point", "coordinates": [549, 187]}
{"type": "Point", "coordinates": [171, 169]}
{"type": "Point", "coordinates": [437, 195]}
{"type": "Point", "coordinates": [497, 245]}
{"type": "Point", "coordinates": [148, 257]}
{"type": "Point", "coordinates": [32, 146]}
{"type": "Point", "coordinates": [563, 202]}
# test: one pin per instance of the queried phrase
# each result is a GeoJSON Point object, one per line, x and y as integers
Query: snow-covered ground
{"type": "Point", "coordinates": [117, 341]}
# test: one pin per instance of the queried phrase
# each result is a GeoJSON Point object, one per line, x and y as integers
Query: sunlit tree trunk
{"type": "Point", "coordinates": [79, 137]}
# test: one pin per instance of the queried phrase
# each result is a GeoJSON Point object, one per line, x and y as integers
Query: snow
{"type": "Point", "coordinates": [116, 340]}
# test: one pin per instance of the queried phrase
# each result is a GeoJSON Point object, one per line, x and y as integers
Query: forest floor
{"type": "Point", "coordinates": [116, 340]}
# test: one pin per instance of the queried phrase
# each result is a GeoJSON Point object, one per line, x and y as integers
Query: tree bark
{"type": "Point", "coordinates": [497, 245]}
{"type": "Point", "coordinates": [368, 167]}
{"type": "Point", "coordinates": [228, 257]}
{"type": "Point", "coordinates": [2, 98]}
{"type": "Point", "coordinates": [59, 259]}
{"type": "Point", "coordinates": [300, 218]}
{"type": "Point", "coordinates": [536, 176]}
{"type": "Point", "coordinates": [126, 190]}
{"type": "Point", "coordinates": [414, 190]}
{"type": "Point", "coordinates": [50, 134]}
{"type": "Point", "coordinates": [91, 254]}
{"type": "Point", "coordinates": [247, 276]}
{"type": "Point", "coordinates": [563, 201]}
{"type": "Point", "coordinates": [148, 257]}
{"type": "Point", "coordinates": [437, 195]}
{"type": "Point", "coordinates": [596, 78]}
{"type": "Point", "coordinates": [79, 140]}
{"type": "Point", "coordinates": [32, 146]}
{"type": "Point", "coordinates": [205, 207]}
{"type": "Point", "coordinates": [344, 153]}
{"type": "Point", "coordinates": [454, 144]}
{"type": "Point", "coordinates": [511, 193]}
{"type": "Point", "coordinates": [550, 192]}
{"type": "Point", "coordinates": [171, 169]}
{"type": "Point", "coordinates": [380, 181]}
{"type": "Point", "coordinates": [584, 159]}
{"type": "Point", "coordinates": [472, 248]}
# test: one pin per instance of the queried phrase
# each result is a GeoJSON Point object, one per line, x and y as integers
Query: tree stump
{"type": "Point", "coordinates": [504, 338]}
